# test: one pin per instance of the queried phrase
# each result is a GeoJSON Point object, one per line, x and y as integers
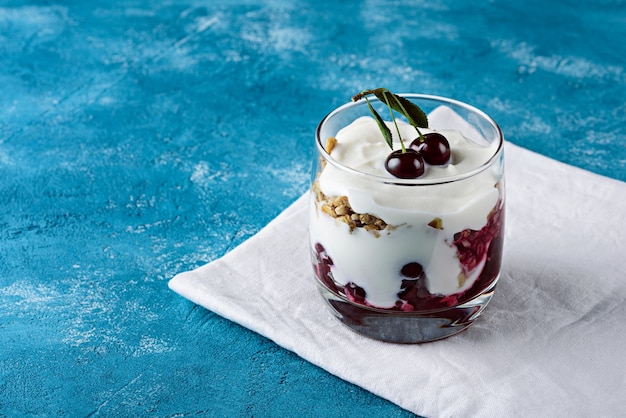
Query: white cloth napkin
{"type": "Point", "coordinates": [552, 342]}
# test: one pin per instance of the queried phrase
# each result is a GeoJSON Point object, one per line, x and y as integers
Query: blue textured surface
{"type": "Point", "coordinates": [139, 139]}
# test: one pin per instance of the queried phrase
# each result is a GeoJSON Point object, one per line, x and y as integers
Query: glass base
{"type": "Point", "coordinates": [406, 327]}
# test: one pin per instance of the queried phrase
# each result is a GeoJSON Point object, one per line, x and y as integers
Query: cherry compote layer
{"type": "Point", "coordinates": [473, 246]}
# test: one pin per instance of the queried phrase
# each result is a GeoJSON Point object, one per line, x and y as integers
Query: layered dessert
{"type": "Point", "coordinates": [409, 243]}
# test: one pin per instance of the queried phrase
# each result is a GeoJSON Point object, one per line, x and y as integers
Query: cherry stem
{"type": "Point", "coordinates": [385, 93]}
{"type": "Point", "coordinates": [393, 118]}
{"type": "Point", "coordinates": [408, 116]}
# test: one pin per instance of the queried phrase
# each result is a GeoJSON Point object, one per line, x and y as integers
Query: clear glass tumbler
{"type": "Point", "coordinates": [409, 260]}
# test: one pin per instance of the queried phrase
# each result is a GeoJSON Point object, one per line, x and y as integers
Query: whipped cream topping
{"type": "Point", "coordinates": [361, 147]}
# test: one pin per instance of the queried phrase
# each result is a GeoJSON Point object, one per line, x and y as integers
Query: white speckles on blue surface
{"type": "Point", "coordinates": [528, 61]}
{"type": "Point", "coordinates": [204, 176]}
{"type": "Point", "coordinates": [33, 24]}
{"type": "Point", "coordinates": [150, 345]}
{"type": "Point", "coordinates": [23, 294]}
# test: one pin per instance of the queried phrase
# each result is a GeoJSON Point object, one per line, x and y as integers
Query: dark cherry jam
{"type": "Point", "coordinates": [472, 248]}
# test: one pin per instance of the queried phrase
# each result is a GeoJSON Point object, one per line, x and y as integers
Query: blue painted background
{"type": "Point", "coordinates": [139, 139]}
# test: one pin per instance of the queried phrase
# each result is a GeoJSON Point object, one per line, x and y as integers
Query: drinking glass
{"type": "Point", "coordinates": [409, 260]}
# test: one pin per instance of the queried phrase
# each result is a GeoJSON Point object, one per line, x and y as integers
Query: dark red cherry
{"type": "Point", "coordinates": [355, 292]}
{"type": "Point", "coordinates": [435, 149]}
{"type": "Point", "coordinates": [413, 270]}
{"type": "Point", "coordinates": [405, 165]}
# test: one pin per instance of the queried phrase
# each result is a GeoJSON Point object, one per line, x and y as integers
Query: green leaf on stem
{"type": "Point", "coordinates": [381, 125]}
{"type": "Point", "coordinates": [411, 111]}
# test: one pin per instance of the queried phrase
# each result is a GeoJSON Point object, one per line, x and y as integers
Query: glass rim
{"type": "Point", "coordinates": [412, 182]}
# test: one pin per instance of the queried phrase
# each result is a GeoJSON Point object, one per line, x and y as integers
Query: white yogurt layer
{"type": "Point", "coordinates": [374, 262]}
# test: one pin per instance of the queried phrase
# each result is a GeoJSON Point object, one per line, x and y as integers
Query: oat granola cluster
{"type": "Point", "coordinates": [339, 208]}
